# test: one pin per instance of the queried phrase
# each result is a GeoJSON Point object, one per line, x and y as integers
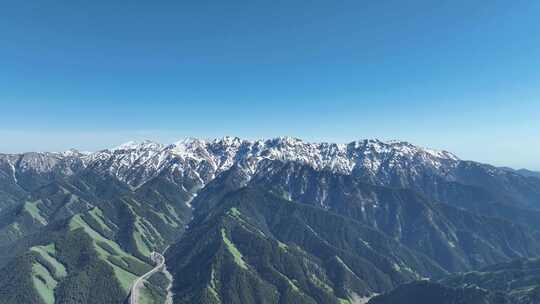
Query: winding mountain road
{"type": "Point", "coordinates": [169, 296]}
{"type": "Point", "coordinates": [134, 294]}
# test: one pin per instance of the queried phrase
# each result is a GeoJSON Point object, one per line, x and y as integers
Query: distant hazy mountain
{"type": "Point", "coordinates": [524, 172]}
{"type": "Point", "coordinates": [268, 221]}
{"type": "Point", "coordinates": [528, 173]}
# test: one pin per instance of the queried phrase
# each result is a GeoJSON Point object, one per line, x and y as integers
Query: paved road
{"type": "Point", "coordinates": [169, 296]}
{"type": "Point", "coordinates": [139, 283]}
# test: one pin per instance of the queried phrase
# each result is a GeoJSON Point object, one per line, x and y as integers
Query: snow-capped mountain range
{"type": "Point", "coordinates": [192, 163]}
{"type": "Point", "coordinates": [137, 162]}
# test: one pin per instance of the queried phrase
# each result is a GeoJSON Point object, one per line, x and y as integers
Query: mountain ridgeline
{"type": "Point", "coordinates": [269, 221]}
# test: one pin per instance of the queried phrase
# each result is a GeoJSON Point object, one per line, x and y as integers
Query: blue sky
{"type": "Point", "coordinates": [457, 75]}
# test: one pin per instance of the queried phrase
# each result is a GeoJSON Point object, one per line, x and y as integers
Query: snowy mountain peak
{"type": "Point", "coordinates": [228, 140]}
{"type": "Point", "coordinates": [188, 147]}
{"type": "Point", "coordinates": [287, 140]}
{"type": "Point", "coordinates": [190, 140]}
{"type": "Point", "coordinates": [73, 153]}
{"type": "Point", "coordinates": [133, 145]}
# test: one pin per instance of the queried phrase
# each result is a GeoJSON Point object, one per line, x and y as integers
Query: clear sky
{"type": "Point", "coordinates": [459, 75]}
